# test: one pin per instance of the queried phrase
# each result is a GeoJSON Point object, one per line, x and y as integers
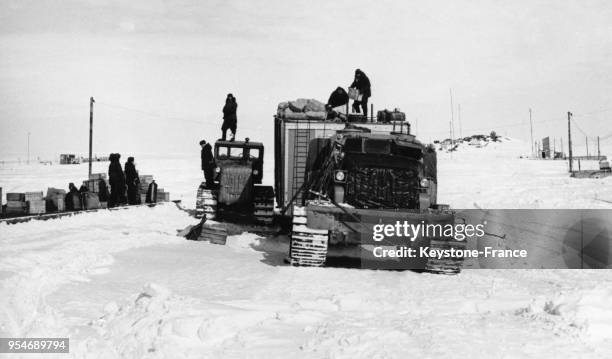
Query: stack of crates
{"type": "Point", "coordinates": [162, 196]}
{"type": "Point", "coordinates": [143, 187]}
{"type": "Point", "coordinates": [16, 204]}
{"type": "Point", "coordinates": [93, 183]}
{"type": "Point", "coordinates": [35, 202]}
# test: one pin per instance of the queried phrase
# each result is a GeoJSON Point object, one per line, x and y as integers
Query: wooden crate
{"type": "Point", "coordinates": [36, 206]}
{"type": "Point", "coordinates": [15, 197]}
{"type": "Point", "coordinates": [55, 203]}
{"type": "Point", "coordinates": [93, 185]}
{"type": "Point", "coordinates": [163, 197]}
{"type": "Point", "coordinates": [97, 176]}
{"type": "Point", "coordinates": [33, 196]}
{"type": "Point", "coordinates": [16, 207]}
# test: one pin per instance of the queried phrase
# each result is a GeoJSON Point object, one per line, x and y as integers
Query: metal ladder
{"type": "Point", "coordinates": [300, 154]}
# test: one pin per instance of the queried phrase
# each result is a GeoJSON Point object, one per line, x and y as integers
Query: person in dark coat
{"type": "Point", "coordinates": [338, 98]}
{"type": "Point", "coordinates": [362, 84]}
{"type": "Point", "coordinates": [208, 163]}
{"type": "Point", "coordinates": [73, 198]}
{"type": "Point", "coordinates": [117, 181]}
{"type": "Point", "coordinates": [132, 181]}
{"type": "Point", "coordinates": [230, 119]}
{"type": "Point", "coordinates": [103, 190]}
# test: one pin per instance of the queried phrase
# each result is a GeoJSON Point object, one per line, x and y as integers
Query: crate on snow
{"type": "Point", "coordinates": [33, 196]}
{"type": "Point", "coordinates": [15, 197]}
{"type": "Point", "coordinates": [55, 200]}
{"type": "Point", "coordinates": [16, 207]}
{"type": "Point", "coordinates": [36, 206]}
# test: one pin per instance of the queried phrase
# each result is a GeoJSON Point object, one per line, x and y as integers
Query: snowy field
{"type": "Point", "coordinates": [121, 284]}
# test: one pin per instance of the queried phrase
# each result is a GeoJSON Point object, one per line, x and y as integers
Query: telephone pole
{"type": "Point", "coordinates": [460, 131]}
{"type": "Point", "coordinates": [569, 141]}
{"type": "Point", "coordinates": [91, 102]}
{"type": "Point", "coordinates": [587, 144]}
{"type": "Point", "coordinates": [452, 118]}
{"type": "Point", "coordinates": [598, 152]}
{"type": "Point", "coordinates": [531, 125]}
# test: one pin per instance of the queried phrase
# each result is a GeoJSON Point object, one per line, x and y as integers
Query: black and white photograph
{"type": "Point", "coordinates": [305, 179]}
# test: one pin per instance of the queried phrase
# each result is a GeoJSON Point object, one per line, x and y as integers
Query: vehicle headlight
{"type": "Point", "coordinates": [218, 169]}
{"type": "Point", "coordinates": [425, 183]}
{"type": "Point", "coordinates": [255, 172]}
{"type": "Point", "coordinates": [340, 176]}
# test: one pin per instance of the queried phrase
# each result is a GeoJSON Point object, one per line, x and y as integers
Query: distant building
{"type": "Point", "coordinates": [69, 159]}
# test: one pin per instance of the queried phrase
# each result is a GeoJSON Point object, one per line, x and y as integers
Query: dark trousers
{"type": "Point", "coordinates": [117, 196]}
{"type": "Point", "coordinates": [209, 176]}
{"type": "Point", "coordinates": [228, 124]}
{"type": "Point", "coordinates": [132, 194]}
{"type": "Point", "coordinates": [364, 106]}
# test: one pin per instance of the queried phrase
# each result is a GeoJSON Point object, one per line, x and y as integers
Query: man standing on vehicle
{"type": "Point", "coordinates": [208, 163]}
{"type": "Point", "coordinates": [362, 84]}
{"type": "Point", "coordinates": [230, 119]}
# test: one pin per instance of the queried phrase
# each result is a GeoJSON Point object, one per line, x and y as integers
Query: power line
{"type": "Point", "coordinates": [150, 113]}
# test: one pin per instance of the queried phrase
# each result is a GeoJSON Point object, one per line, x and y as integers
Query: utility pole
{"type": "Point", "coordinates": [598, 152]}
{"type": "Point", "coordinates": [531, 125]}
{"type": "Point", "coordinates": [569, 141]}
{"type": "Point", "coordinates": [28, 147]}
{"type": "Point", "coordinates": [460, 130]}
{"type": "Point", "coordinates": [452, 117]}
{"type": "Point", "coordinates": [91, 102]}
{"type": "Point", "coordinates": [587, 144]}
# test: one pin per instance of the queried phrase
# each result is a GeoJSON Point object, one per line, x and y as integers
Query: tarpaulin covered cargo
{"type": "Point", "coordinates": [90, 200]}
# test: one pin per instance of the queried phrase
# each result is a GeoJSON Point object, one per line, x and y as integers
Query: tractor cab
{"type": "Point", "coordinates": [244, 154]}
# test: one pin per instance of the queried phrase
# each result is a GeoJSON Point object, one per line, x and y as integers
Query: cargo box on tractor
{"type": "Point", "coordinates": [336, 180]}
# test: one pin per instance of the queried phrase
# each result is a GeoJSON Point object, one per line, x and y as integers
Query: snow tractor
{"type": "Point", "coordinates": [237, 194]}
{"type": "Point", "coordinates": [337, 181]}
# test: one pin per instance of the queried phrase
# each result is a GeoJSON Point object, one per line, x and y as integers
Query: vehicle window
{"type": "Point", "coordinates": [254, 153]}
{"type": "Point", "coordinates": [222, 152]}
{"type": "Point", "coordinates": [236, 152]}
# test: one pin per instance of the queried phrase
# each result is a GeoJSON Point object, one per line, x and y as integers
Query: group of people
{"type": "Point", "coordinates": [123, 185]}
{"type": "Point", "coordinates": [362, 92]}
{"type": "Point", "coordinates": [361, 84]}
{"type": "Point", "coordinates": [77, 199]}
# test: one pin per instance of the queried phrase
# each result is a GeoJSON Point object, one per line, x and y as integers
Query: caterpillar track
{"type": "Point", "coordinates": [206, 202]}
{"type": "Point", "coordinates": [264, 204]}
{"type": "Point", "coordinates": [308, 246]}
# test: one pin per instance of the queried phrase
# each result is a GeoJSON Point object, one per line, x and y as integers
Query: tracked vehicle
{"type": "Point", "coordinates": [336, 181]}
{"type": "Point", "coordinates": [237, 194]}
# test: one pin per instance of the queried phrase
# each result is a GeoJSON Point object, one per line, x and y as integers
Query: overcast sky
{"type": "Point", "coordinates": [160, 70]}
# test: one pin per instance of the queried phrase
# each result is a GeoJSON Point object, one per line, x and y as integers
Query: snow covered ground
{"type": "Point", "coordinates": [122, 284]}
